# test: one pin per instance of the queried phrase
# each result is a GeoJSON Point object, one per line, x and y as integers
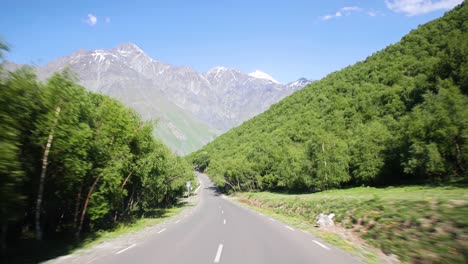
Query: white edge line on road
{"type": "Point", "coordinates": [224, 221]}
{"type": "Point", "coordinates": [288, 227]}
{"type": "Point", "coordinates": [198, 188]}
{"type": "Point", "coordinates": [218, 253]}
{"type": "Point", "coordinates": [162, 230]}
{"type": "Point", "coordinates": [177, 221]}
{"type": "Point", "coordinates": [322, 245]}
{"type": "Point", "coordinates": [271, 219]}
{"type": "Point", "coordinates": [127, 248]}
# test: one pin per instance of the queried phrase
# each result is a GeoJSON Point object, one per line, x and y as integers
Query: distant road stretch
{"type": "Point", "coordinates": [219, 231]}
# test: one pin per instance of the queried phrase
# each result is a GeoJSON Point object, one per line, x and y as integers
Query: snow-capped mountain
{"type": "Point", "coordinates": [191, 107]}
{"type": "Point", "coordinates": [300, 83]}
{"type": "Point", "coordinates": [261, 75]}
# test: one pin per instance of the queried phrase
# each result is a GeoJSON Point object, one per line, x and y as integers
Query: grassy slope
{"type": "Point", "coordinates": [196, 133]}
{"type": "Point", "coordinates": [417, 223]}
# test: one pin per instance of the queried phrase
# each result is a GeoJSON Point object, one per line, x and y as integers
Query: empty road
{"type": "Point", "coordinates": [219, 231]}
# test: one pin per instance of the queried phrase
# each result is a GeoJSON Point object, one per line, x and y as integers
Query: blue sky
{"type": "Point", "coordinates": [286, 39]}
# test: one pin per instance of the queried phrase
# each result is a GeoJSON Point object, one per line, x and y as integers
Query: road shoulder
{"type": "Point", "coordinates": [117, 241]}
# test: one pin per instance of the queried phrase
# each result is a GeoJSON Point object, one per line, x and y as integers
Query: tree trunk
{"type": "Point", "coordinates": [232, 186]}
{"type": "Point", "coordinates": [85, 206]}
{"type": "Point", "coordinates": [459, 159]}
{"type": "Point", "coordinates": [130, 201]}
{"type": "Point", "coordinates": [238, 183]}
{"type": "Point", "coordinates": [45, 158]}
{"type": "Point", "coordinates": [77, 206]}
{"type": "Point", "coordinates": [126, 179]}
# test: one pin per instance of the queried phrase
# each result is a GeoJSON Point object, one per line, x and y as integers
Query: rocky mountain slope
{"type": "Point", "coordinates": [190, 108]}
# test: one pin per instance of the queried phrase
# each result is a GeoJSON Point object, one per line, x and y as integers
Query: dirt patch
{"type": "Point", "coordinates": [459, 202]}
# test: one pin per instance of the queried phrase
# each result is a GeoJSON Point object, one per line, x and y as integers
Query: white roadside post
{"type": "Point", "coordinates": [189, 187]}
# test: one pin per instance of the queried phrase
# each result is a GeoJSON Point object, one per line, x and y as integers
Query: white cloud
{"type": "Point", "coordinates": [91, 20]}
{"type": "Point", "coordinates": [417, 7]}
{"type": "Point", "coordinates": [347, 10]}
{"type": "Point", "coordinates": [374, 13]}
{"type": "Point", "coordinates": [351, 8]}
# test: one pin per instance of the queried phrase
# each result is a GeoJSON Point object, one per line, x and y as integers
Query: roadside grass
{"type": "Point", "coordinates": [419, 224]}
{"type": "Point", "coordinates": [28, 250]}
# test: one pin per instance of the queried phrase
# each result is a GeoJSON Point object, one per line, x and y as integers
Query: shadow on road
{"type": "Point", "coordinates": [214, 190]}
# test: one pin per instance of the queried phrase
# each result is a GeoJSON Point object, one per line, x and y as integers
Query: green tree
{"type": "Point", "coordinates": [329, 161]}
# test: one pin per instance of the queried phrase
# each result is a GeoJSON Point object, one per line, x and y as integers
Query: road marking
{"type": "Point", "coordinates": [218, 253]}
{"type": "Point", "coordinates": [222, 212]}
{"type": "Point", "coordinates": [127, 248]}
{"type": "Point", "coordinates": [177, 221]}
{"type": "Point", "coordinates": [224, 221]}
{"type": "Point", "coordinates": [288, 227]}
{"type": "Point", "coordinates": [320, 244]}
{"type": "Point", "coordinates": [271, 219]}
{"type": "Point", "coordinates": [198, 188]}
{"type": "Point", "coordinates": [162, 230]}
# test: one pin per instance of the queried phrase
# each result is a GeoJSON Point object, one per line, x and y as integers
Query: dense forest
{"type": "Point", "coordinates": [73, 162]}
{"type": "Point", "coordinates": [399, 116]}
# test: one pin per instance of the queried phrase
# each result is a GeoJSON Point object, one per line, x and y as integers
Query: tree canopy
{"type": "Point", "coordinates": [73, 161]}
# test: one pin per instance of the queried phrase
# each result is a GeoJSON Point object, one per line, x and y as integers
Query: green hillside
{"type": "Point", "coordinates": [399, 116]}
{"type": "Point", "coordinates": [180, 131]}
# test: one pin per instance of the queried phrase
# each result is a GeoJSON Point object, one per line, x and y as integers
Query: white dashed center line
{"type": "Point", "coordinates": [224, 221]}
{"type": "Point", "coordinates": [218, 253]}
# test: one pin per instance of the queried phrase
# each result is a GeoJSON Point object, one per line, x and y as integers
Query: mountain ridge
{"type": "Point", "coordinates": [211, 102]}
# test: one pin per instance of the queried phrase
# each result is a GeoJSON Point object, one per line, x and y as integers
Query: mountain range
{"type": "Point", "coordinates": [190, 108]}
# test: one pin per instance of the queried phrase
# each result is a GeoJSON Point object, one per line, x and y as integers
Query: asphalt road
{"type": "Point", "coordinates": [219, 231]}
